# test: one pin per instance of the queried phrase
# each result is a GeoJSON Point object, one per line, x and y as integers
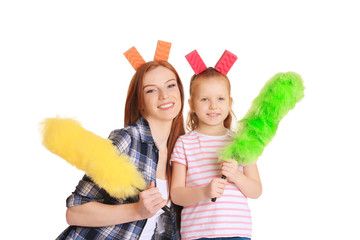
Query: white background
{"type": "Point", "coordinates": [65, 58]}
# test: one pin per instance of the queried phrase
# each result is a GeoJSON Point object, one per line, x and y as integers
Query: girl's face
{"type": "Point", "coordinates": [211, 101]}
{"type": "Point", "coordinates": [162, 100]}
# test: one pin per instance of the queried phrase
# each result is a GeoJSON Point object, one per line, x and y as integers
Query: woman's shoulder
{"type": "Point", "coordinates": [123, 137]}
{"type": "Point", "coordinates": [119, 133]}
{"type": "Point", "coordinates": [138, 131]}
{"type": "Point", "coordinates": [128, 131]}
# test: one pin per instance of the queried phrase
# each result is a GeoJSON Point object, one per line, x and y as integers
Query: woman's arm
{"type": "Point", "coordinates": [185, 196]}
{"type": "Point", "coordinates": [95, 214]}
{"type": "Point", "coordinates": [248, 182]}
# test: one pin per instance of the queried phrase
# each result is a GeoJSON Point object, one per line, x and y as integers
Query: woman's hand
{"type": "Point", "coordinates": [150, 202]}
{"type": "Point", "coordinates": [215, 188]}
{"type": "Point", "coordinates": [230, 169]}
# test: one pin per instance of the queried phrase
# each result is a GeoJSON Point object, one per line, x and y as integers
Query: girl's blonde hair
{"type": "Point", "coordinates": [192, 121]}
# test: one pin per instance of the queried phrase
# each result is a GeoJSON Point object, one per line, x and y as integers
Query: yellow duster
{"type": "Point", "coordinates": [94, 155]}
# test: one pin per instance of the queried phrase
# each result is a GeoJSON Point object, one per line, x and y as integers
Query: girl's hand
{"type": "Point", "coordinates": [150, 201]}
{"type": "Point", "coordinates": [215, 188]}
{"type": "Point", "coordinates": [230, 169]}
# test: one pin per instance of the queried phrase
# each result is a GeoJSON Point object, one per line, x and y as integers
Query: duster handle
{"type": "Point", "coordinates": [214, 199]}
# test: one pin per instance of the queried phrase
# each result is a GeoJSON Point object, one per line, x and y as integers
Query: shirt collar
{"type": "Point", "coordinates": [144, 130]}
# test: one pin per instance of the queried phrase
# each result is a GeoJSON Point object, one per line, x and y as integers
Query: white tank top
{"type": "Point", "coordinates": [150, 225]}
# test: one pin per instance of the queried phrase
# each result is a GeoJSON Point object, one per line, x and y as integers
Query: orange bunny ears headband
{"type": "Point", "coordinates": [161, 54]}
{"type": "Point", "coordinates": [224, 64]}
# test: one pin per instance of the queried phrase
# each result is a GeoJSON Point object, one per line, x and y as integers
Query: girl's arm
{"type": "Point", "coordinates": [95, 214]}
{"type": "Point", "coordinates": [185, 196]}
{"type": "Point", "coordinates": [248, 182]}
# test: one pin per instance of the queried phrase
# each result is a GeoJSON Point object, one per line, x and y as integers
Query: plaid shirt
{"type": "Point", "coordinates": [136, 141]}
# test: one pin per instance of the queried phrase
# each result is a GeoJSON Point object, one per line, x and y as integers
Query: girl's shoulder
{"type": "Point", "coordinates": [188, 135]}
{"type": "Point", "coordinates": [195, 134]}
{"type": "Point", "coordinates": [230, 133]}
{"type": "Point", "coordinates": [191, 133]}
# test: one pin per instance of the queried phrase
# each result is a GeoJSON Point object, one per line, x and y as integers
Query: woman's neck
{"type": "Point", "coordinates": [211, 130]}
{"type": "Point", "coordinates": [160, 131]}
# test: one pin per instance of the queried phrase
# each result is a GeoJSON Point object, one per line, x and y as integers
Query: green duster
{"type": "Point", "coordinates": [279, 95]}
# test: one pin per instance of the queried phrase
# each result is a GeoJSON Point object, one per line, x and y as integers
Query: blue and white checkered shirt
{"type": "Point", "coordinates": [137, 142]}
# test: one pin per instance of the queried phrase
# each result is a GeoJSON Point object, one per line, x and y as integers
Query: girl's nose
{"type": "Point", "coordinates": [213, 105]}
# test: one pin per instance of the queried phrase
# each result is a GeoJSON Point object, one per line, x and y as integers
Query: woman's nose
{"type": "Point", "coordinates": [162, 94]}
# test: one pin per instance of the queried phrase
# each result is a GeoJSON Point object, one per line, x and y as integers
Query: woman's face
{"type": "Point", "coordinates": [162, 100]}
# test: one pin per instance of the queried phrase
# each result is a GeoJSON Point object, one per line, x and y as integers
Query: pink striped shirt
{"type": "Point", "coordinates": [230, 215]}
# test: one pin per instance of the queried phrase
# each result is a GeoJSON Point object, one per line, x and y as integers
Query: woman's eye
{"type": "Point", "coordinates": [172, 85]}
{"type": "Point", "coordinates": [150, 91]}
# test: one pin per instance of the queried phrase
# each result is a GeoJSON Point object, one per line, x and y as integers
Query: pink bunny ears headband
{"type": "Point", "coordinates": [161, 54]}
{"type": "Point", "coordinates": [224, 64]}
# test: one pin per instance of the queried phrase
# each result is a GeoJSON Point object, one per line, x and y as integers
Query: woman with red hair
{"type": "Point", "coordinates": [153, 122]}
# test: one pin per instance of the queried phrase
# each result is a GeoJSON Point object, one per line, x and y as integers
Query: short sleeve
{"type": "Point", "coordinates": [121, 139]}
{"type": "Point", "coordinates": [178, 154]}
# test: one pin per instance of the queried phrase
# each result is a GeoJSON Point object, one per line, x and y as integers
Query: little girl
{"type": "Point", "coordinates": [196, 172]}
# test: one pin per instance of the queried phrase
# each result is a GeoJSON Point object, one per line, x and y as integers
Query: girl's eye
{"type": "Point", "coordinates": [221, 99]}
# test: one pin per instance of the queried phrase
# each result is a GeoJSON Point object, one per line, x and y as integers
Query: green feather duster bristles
{"type": "Point", "coordinates": [279, 95]}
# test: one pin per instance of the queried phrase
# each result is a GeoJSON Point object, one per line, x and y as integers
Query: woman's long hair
{"type": "Point", "coordinates": [135, 102]}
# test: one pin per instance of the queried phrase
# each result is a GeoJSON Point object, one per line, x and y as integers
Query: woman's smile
{"type": "Point", "coordinates": [166, 106]}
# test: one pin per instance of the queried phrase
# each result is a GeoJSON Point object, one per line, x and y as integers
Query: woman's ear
{"type": "Point", "coordinates": [230, 102]}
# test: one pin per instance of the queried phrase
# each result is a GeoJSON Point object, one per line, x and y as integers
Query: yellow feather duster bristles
{"type": "Point", "coordinates": [95, 155]}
